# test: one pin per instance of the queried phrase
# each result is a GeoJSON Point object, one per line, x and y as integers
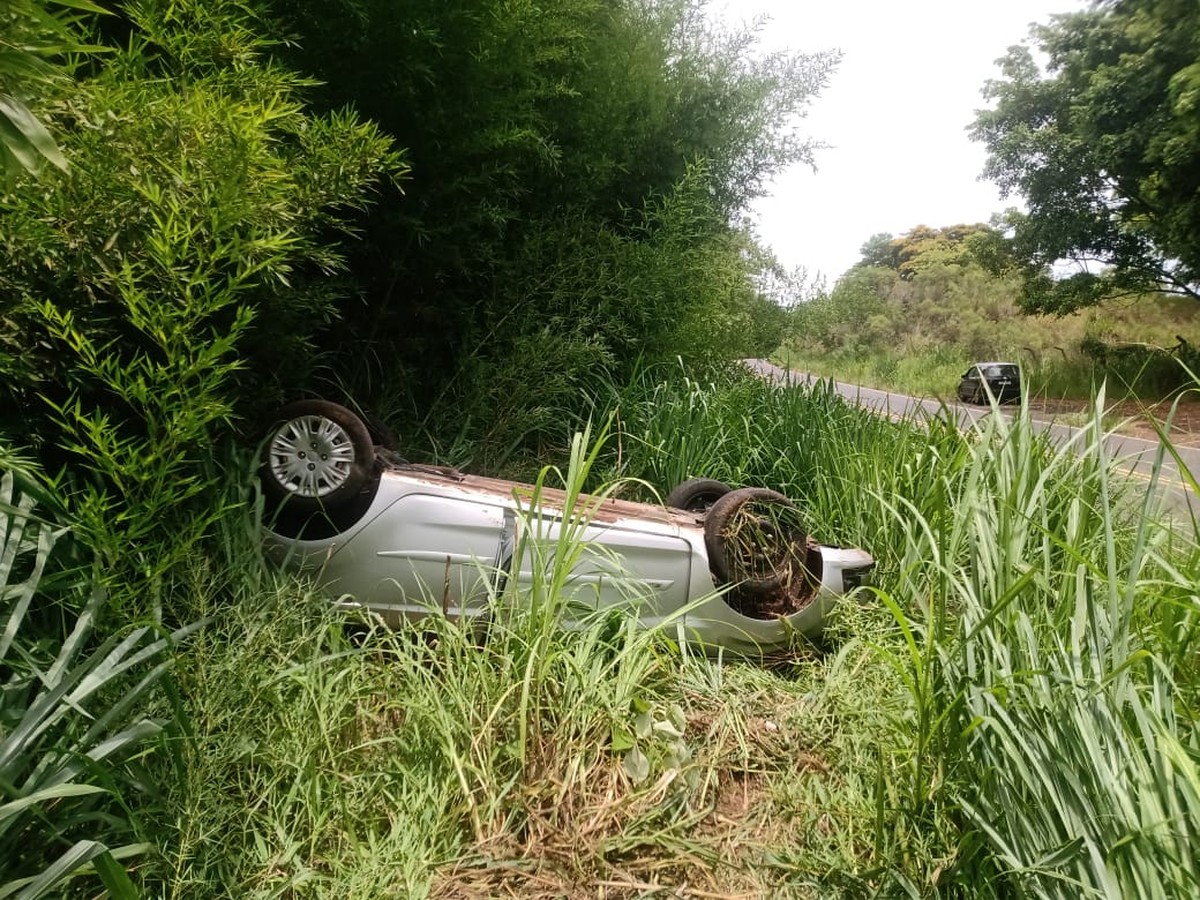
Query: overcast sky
{"type": "Point", "coordinates": [894, 117]}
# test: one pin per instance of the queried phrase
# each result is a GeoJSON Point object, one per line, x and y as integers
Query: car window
{"type": "Point", "coordinates": [1001, 372]}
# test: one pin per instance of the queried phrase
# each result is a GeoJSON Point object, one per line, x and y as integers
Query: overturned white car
{"type": "Point", "coordinates": [731, 568]}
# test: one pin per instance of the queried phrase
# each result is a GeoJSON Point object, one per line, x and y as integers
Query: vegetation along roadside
{"type": "Point", "coordinates": [532, 230]}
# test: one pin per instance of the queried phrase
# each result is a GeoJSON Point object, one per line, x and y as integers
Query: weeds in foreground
{"type": "Point", "coordinates": [389, 765]}
{"type": "Point", "coordinates": [1021, 667]}
{"type": "Point", "coordinates": [537, 760]}
{"type": "Point", "coordinates": [72, 723]}
{"type": "Point", "coordinates": [1043, 716]}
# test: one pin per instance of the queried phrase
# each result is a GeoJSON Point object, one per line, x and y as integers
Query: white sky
{"type": "Point", "coordinates": [894, 116]}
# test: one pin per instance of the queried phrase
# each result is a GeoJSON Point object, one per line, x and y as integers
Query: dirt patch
{"type": "Point", "coordinates": [737, 794]}
{"type": "Point", "coordinates": [1180, 420]}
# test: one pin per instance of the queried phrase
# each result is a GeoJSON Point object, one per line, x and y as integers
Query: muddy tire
{"type": "Point", "coordinates": [696, 494]}
{"type": "Point", "coordinates": [756, 540]}
{"type": "Point", "coordinates": [318, 457]}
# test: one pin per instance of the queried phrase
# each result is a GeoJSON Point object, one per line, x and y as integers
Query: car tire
{"type": "Point", "coordinates": [318, 457]}
{"type": "Point", "coordinates": [696, 494]}
{"type": "Point", "coordinates": [752, 558]}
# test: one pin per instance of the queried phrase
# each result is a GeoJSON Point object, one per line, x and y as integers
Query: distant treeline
{"type": "Point", "coordinates": [917, 307]}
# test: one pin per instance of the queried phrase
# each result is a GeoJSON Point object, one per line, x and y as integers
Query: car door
{"type": "Point", "coordinates": [969, 384]}
{"type": "Point", "coordinates": [641, 567]}
{"type": "Point", "coordinates": [426, 551]}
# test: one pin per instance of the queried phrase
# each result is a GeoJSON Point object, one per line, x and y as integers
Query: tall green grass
{"type": "Point", "coordinates": [75, 718]}
{"type": "Point", "coordinates": [842, 464]}
{"type": "Point", "coordinates": [1047, 625]}
{"type": "Point", "coordinates": [1012, 711]}
{"type": "Point", "coordinates": [1046, 716]}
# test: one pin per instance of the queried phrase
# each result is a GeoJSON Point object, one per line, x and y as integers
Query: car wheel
{"type": "Point", "coordinates": [318, 456]}
{"type": "Point", "coordinates": [755, 539]}
{"type": "Point", "coordinates": [696, 494]}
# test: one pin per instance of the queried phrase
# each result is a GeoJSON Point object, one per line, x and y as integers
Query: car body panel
{"type": "Point", "coordinates": [617, 565]}
{"type": "Point", "coordinates": [436, 540]}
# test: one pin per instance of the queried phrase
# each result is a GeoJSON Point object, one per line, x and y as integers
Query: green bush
{"type": "Point", "coordinates": [73, 721]}
{"type": "Point", "coordinates": [177, 275]}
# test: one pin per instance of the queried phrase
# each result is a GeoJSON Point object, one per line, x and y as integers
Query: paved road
{"type": "Point", "coordinates": [1137, 454]}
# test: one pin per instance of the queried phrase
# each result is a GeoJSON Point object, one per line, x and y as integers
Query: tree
{"type": "Point", "coordinates": [878, 252]}
{"type": "Point", "coordinates": [544, 138]}
{"type": "Point", "coordinates": [921, 247]}
{"type": "Point", "coordinates": [1105, 148]}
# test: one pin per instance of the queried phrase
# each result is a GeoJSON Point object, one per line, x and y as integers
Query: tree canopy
{"type": "Point", "coordinates": [150, 294]}
{"type": "Point", "coordinates": [922, 247]}
{"type": "Point", "coordinates": [569, 158]}
{"type": "Point", "coordinates": [917, 308]}
{"type": "Point", "coordinates": [1104, 146]}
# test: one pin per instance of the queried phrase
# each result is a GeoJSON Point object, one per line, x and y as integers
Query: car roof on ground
{"type": "Point", "coordinates": [995, 363]}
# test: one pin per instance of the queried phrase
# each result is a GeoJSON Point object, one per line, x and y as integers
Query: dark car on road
{"type": "Point", "coordinates": [1001, 379]}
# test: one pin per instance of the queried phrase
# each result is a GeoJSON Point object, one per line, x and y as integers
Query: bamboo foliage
{"type": "Point", "coordinates": [69, 722]}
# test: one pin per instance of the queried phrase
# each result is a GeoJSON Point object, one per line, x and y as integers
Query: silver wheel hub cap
{"type": "Point", "coordinates": [311, 456]}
